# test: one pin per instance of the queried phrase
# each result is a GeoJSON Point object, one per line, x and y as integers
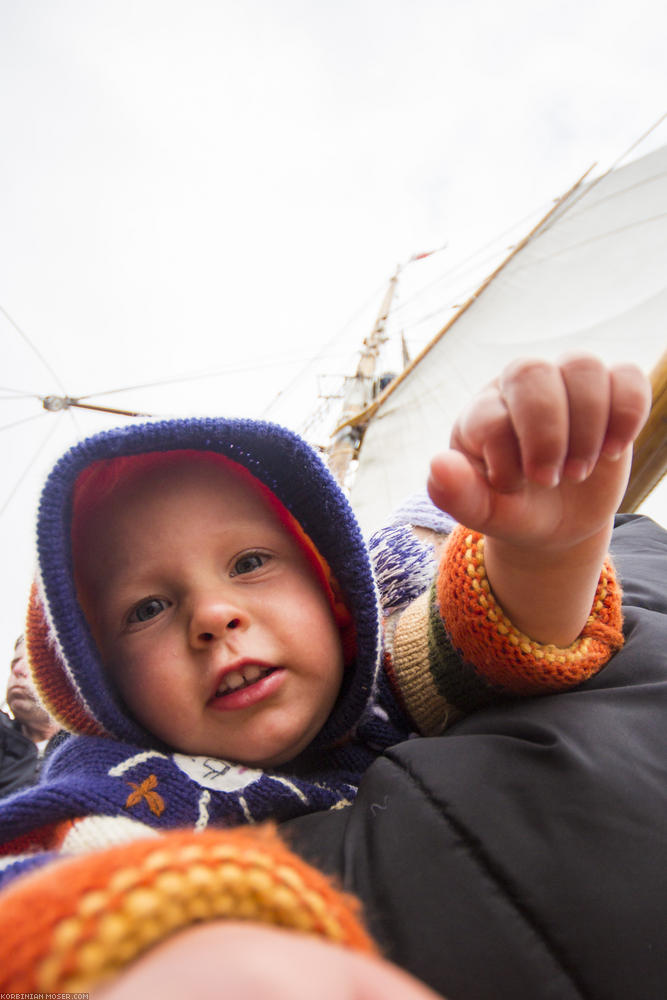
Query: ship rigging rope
{"type": "Point", "coordinates": [267, 363]}
{"type": "Point", "coordinates": [333, 341]}
{"type": "Point", "coordinates": [463, 292]}
{"type": "Point", "coordinates": [52, 428]}
{"type": "Point", "coordinates": [637, 141]}
{"type": "Point", "coordinates": [24, 420]}
{"type": "Point", "coordinates": [69, 401]}
{"type": "Point", "coordinates": [414, 323]}
{"type": "Point", "coordinates": [34, 349]}
{"type": "Point", "coordinates": [619, 159]}
{"type": "Point", "coordinates": [475, 259]}
{"type": "Point", "coordinates": [17, 393]}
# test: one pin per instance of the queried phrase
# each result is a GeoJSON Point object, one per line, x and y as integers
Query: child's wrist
{"type": "Point", "coordinates": [546, 556]}
{"type": "Point", "coordinates": [547, 592]}
{"type": "Point", "coordinates": [501, 652]}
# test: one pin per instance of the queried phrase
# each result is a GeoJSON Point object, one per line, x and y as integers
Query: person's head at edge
{"type": "Point", "coordinates": [22, 699]}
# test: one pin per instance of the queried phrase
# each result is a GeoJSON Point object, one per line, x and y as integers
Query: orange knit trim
{"type": "Point", "coordinates": [506, 657]}
{"type": "Point", "coordinates": [81, 920]}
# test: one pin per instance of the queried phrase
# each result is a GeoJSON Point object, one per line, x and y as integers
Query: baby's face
{"type": "Point", "coordinates": [209, 616]}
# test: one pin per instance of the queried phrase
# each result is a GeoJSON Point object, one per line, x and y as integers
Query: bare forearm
{"type": "Point", "coordinates": [547, 594]}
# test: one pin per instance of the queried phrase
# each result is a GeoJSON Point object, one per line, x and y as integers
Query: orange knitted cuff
{"type": "Point", "coordinates": [503, 655]}
{"type": "Point", "coordinates": [76, 923]}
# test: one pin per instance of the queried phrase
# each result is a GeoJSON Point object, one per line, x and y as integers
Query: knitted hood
{"type": "Point", "coordinates": [66, 664]}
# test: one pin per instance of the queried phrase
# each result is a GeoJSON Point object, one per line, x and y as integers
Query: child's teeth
{"type": "Point", "coordinates": [234, 680]}
{"type": "Point", "coordinates": [238, 678]}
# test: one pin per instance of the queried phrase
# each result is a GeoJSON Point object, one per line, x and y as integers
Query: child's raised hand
{"type": "Point", "coordinates": [542, 455]}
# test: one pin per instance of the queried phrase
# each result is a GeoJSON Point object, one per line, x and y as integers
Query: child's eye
{"type": "Point", "coordinates": [248, 563]}
{"type": "Point", "coordinates": [147, 609]}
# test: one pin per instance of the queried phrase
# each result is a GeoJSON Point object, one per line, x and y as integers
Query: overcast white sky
{"type": "Point", "coordinates": [192, 186]}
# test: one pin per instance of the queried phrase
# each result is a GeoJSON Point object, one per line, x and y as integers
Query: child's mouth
{"type": "Point", "coordinates": [243, 677]}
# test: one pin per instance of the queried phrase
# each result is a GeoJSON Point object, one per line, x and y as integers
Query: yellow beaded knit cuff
{"type": "Point", "coordinates": [505, 657]}
{"type": "Point", "coordinates": [80, 921]}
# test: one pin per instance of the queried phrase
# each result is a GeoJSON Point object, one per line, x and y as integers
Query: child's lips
{"type": "Point", "coordinates": [245, 683]}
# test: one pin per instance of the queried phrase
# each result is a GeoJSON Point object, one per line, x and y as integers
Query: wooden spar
{"type": "Point", "coordinates": [649, 461]}
{"type": "Point", "coordinates": [361, 418]}
{"type": "Point", "coordinates": [109, 409]}
{"type": "Point", "coordinates": [54, 404]}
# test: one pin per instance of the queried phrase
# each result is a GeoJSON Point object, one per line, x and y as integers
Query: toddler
{"type": "Point", "coordinates": [207, 620]}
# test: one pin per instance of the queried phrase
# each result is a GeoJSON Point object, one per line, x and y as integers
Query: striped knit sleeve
{"type": "Point", "coordinates": [454, 650]}
{"type": "Point", "coordinates": [78, 922]}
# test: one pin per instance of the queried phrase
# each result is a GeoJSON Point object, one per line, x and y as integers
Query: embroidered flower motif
{"type": "Point", "coordinates": [145, 791]}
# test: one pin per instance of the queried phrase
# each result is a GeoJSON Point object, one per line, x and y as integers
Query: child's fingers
{"type": "Point", "coordinates": [486, 436]}
{"type": "Point", "coordinates": [587, 384]}
{"type": "Point", "coordinates": [458, 487]}
{"type": "Point", "coordinates": [536, 398]}
{"type": "Point", "coordinates": [628, 408]}
{"type": "Point", "coordinates": [539, 421]}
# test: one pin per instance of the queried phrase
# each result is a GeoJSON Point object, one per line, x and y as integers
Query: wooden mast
{"type": "Point", "coordinates": [359, 391]}
{"type": "Point", "coordinates": [649, 462]}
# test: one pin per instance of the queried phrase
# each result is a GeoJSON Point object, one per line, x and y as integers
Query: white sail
{"type": "Point", "coordinates": [593, 278]}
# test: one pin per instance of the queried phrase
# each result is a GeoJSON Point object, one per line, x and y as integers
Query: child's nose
{"type": "Point", "coordinates": [214, 618]}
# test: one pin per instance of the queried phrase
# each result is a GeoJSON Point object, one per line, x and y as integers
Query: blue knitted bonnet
{"type": "Point", "coordinates": [279, 459]}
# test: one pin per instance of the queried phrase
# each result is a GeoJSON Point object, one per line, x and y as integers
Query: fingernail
{"type": "Point", "coordinates": [613, 450]}
{"type": "Point", "coordinates": [576, 469]}
{"type": "Point", "coordinates": [547, 475]}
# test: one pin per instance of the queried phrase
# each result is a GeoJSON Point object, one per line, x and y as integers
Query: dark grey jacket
{"type": "Point", "coordinates": [19, 762]}
{"type": "Point", "coordinates": [524, 853]}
